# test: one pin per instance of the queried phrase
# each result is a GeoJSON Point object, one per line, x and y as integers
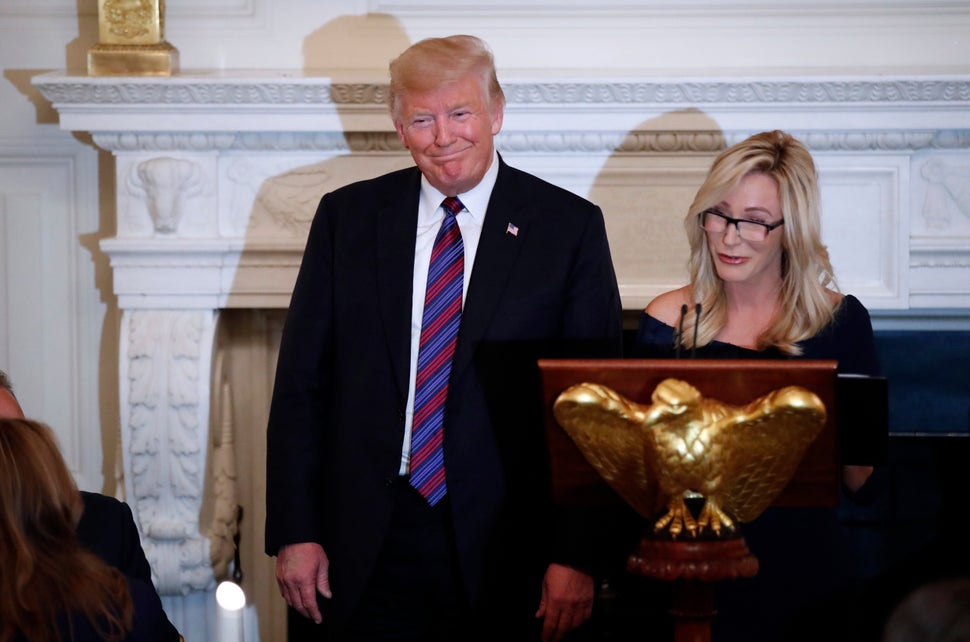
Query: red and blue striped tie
{"type": "Point", "coordinates": [439, 333]}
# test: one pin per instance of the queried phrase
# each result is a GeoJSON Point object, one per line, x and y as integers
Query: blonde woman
{"type": "Point", "coordinates": [760, 276]}
{"type": "Point", "coordinates": [762, 287]}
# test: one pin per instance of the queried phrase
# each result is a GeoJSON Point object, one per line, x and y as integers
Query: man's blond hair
{"type": "Point", "coordinates": [437, 62]}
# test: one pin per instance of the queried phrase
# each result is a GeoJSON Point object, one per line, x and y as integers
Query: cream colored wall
{"type": "Point", "coordinates": [58, 328]}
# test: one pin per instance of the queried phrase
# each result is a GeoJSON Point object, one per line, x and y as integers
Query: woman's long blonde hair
{"type": "Point", "coordinates": [47, 575]}
{"type": "Point", "coordinates": [806, 305]}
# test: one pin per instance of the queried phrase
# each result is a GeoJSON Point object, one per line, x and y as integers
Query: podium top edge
{"type": "Point", "coordinates": [690, 364]}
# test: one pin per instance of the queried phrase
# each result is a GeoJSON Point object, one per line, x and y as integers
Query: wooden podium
{"type": "Point", "coordinates": [694, 566]}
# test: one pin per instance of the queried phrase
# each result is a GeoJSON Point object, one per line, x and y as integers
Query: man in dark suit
{"type": "Point", "coordinates": [394, 551]}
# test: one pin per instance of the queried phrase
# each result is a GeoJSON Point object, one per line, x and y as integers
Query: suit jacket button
{"type": "Point", "coordinates": [390, 482]}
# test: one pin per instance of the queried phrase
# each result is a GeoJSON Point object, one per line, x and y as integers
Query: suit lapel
{"type": "Point", "coordinates": [498, 248]}
{"type": "Point", "coordinates": [396, 231]}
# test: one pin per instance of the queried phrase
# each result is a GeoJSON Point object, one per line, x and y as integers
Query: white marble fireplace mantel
{"type": "Point", "coordinates": [218, 175]}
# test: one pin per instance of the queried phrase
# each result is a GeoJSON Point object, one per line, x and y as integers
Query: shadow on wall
{"type": "Point", "coordinates": [354, 43]}
{"type": "Point", "coordinates": [273, 201]}
{"type": "Point", "coordinates": [645, 188]}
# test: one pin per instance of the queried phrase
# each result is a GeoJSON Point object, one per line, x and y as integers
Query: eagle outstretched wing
{"type": "Point", "coordinates": [608, 430]}
{"type": "Point", "coordinates": [763, 444]}
{"type": "Point", "coordinates": [683, 445]}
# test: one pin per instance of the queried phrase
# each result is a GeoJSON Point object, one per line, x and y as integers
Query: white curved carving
{"type": "Point", "coordinates": [275, 199]}
{"type": "Point", "coordinates": [288, 201]}
{"type": "Point", "coordinates": [163, 142]}
{"type": "Point", "coordinates": [167, 184]}
{"type": "Point", "coordinates": [165, 396]}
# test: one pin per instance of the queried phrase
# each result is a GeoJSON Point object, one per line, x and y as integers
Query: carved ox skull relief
{"type": "Point", "coordinates": [167, 184]}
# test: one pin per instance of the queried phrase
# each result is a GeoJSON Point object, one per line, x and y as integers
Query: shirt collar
{"type": "Point", "coordinates": [475, 200]}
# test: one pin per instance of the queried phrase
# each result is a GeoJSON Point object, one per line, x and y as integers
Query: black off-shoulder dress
{"type": "Point", "coordinates": [811, 559]}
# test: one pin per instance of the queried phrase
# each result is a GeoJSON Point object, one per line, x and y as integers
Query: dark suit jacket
{"type": "Point", "coordinates": [338, 411]}
{"type": "Point", "coordinates": [149, 620]}
{"type": "Point", "coordinates": [107, 528]}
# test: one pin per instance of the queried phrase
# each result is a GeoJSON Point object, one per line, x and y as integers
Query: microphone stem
{"type": "Point", "coordinates": [697, 322]}
{"type": "Point", "coordinates": [679, 339]}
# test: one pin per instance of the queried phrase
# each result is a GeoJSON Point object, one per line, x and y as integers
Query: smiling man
{"type": "Point", "coordinates": [406, 495]}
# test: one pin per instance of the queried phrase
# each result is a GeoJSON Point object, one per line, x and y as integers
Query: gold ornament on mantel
{"type": "Point", "coordinates": [686, 448]}
{"type": "Point", "coordinates": [131, 37]}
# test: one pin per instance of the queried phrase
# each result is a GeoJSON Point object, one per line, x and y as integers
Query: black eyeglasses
{"type": "Point", "coordinates": [714, 221]}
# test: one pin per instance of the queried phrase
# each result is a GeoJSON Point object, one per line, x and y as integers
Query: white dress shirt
{"type": "Point", "coordinates": [430, 216]}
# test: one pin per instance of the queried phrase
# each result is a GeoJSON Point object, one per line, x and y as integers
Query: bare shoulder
{"type": "Point", "coordinates": [666, 307]}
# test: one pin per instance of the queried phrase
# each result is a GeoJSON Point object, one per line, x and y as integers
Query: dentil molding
{"type": "Point", "coordinates": [242, 102]}
{"type": "Point", "coordinates": [287, 88]}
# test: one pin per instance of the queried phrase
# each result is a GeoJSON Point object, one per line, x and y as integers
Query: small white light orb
{"type": "Point", "coordinates": [230, 596]}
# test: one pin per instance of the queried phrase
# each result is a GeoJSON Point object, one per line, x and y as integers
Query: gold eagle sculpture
{"type": "Point", "coordinates": [734, 461]}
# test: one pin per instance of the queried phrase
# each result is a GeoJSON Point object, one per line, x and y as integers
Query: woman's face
{"type": "Point", "coordinates": [740, 260]}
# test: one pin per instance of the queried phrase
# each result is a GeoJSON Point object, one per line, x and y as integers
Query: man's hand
{"type": "Point", "coordinates": [567, 601]}
{"type": "Point", "coordinates": [302, 570]}
{"type": "Point", "coordinates": [855, 476]}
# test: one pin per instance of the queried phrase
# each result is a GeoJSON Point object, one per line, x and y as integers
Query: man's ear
{"type": "Point", "coordinates": [497, 115]}
{"type": "Point", "coordinates": [399, 128]}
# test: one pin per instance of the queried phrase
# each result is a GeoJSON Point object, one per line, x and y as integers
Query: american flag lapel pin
{"type": "Point", "coordinates": [512, 229]}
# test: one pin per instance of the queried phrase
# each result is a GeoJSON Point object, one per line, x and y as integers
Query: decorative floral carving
{"type": "Point", "coordinates": [165, 447]}
{"type": "Point", "coordinates": [168, 141]}
{"type": "Point", "coordinates": [300, 90]}
{"type": "Point", "coordinates": [634, 142]}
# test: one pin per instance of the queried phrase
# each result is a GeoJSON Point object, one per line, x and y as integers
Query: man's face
{"type": "Point", "coordinates": [9, 408]}
{"type": "Point", "coordinates": [449, 133]}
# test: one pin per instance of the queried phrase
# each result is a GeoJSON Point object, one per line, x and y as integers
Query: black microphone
{"type": "Point", "coordinates": [678, 340]}
{"type": "Point", "coordinates": [697, 322]}
{"type": "Point", "coordinates": [237, 574]}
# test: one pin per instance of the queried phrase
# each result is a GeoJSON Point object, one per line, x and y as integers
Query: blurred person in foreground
{"type": "Point", "coordinates": [765, 288]}
{"type": "Point", "coordinates": [52, 587]}
{"type": "Point", "coordinates": [935, 611]}
{"type": "Point", "coordinates": [104, 527]}
{"type": "Point", "coordinates": [390, 533]}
